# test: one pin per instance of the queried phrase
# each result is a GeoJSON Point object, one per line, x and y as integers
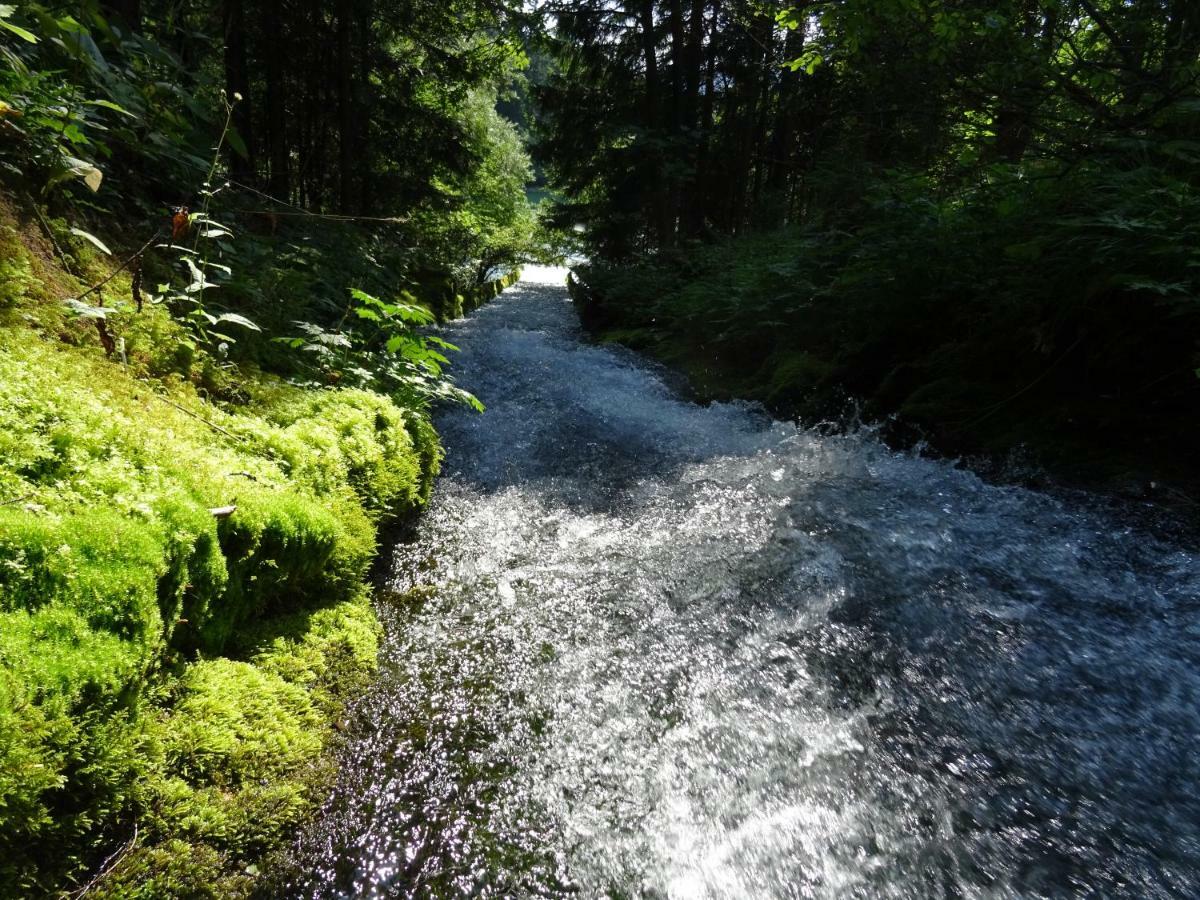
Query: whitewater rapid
{"type": "Point", "coordinates": [640, 647]}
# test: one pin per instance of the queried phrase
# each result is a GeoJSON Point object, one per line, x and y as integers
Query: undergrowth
{"type": "Point", "coordinates": [1059, 313]}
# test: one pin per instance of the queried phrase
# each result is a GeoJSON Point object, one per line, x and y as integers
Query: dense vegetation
{"type": "Point", "coordinates": [981, 216]}
{"type": "Point", "coordinates": [222, 228]}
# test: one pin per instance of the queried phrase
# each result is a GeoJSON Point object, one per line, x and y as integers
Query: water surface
{"type": "Point", "coordinates": [668, 650]}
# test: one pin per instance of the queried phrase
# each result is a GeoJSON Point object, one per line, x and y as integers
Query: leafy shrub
{"type": "Point", "coordinates": [1054, 308]}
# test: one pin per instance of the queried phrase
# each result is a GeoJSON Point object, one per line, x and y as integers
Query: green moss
{"type": "Point", "coordinates": [941, 398]}
{"type": "Point", "coordinates": [363, 439]}
{"type": "Point", "coordinates": [238, 753]}
{"type": "Point", "coordinates": [635, 338]}
{"type": "Point", "coordinates": [114, 573]}
{"type": "Point", "coordinates": [16, 272]}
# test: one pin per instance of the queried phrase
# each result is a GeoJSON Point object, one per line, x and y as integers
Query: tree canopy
{"type": "Point", "coordinates": [668, 120]}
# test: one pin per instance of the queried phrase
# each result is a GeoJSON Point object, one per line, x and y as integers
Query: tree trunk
{"type": "Point", "coordinates": [779, 163]}
{"type": "Point", "coordinates": [127, 12]}
{"type": "Point", "coordinates": [700, 209]}
{"type": "Point", "coordinates": [233, 15]}
{"type": "Point", "coordinates": [1181, 50]}
{"type": "Point", "coordinates": [695, 62]}
{"type": "Point", "coordinates": [658, 194]}
{"type": "Point", "coordinates": [359, 97]}
{"type": "Point", "coordinates": [278, 150]}
{"type": "Point", "coordinates": [678, 65]}
{"type": "Point", "coordinates": [345, 103]}
{"type": "Point", "coordinates": [650, 57]}
{"type": "Point", "coordinates": [676, 198]}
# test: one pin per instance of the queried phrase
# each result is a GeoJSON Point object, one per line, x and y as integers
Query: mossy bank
{"type": "Point", "coordinates": [171, 676]}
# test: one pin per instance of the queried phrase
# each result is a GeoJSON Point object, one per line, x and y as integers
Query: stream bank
{"type": "Point", "coordinates": [184, 607]}
{"type": "Point", "coordinates": [1034, 395]}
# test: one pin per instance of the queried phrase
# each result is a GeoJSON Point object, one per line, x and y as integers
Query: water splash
{"type": "Point", "coordinates": [666, 650]}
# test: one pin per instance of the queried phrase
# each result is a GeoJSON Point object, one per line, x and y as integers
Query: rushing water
{"type": "Point", "coordinates": [660, 649]}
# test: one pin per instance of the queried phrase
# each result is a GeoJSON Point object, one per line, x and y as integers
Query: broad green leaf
{"type": "Point", "coordinates": [236, 142]}
{"type": "Point", "coordinates": [93, 239]}
{"type": "Point", "coordinates": [88, 173]}
{"type": "Point", "coordinates": [108, 104]}
{"type": "Point", "coordinates": [16, 29]}
{"type": "Point", "coordinates": [237, 320]}
{"type": "Point", "coordinates": [87, 311]}
{"type": "Point", "coordinates": [199, 282]}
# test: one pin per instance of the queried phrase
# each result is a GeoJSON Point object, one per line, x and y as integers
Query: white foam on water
{"type": "Point", "coordinates": [686, 651]}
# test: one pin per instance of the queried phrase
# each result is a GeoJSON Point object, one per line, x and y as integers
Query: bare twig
{"type": "Point", "coordinates": [213, 425]}
{"type": "Point", "coordinates": [107, 866]}
{"type": "Point", "coordinates": [121, 268]}
{"type": "Point", "coordinates": [307, 213]}
{"type": "Point", "coordinates": [37, 211]}
{"type": "Point", "coordinates": [996, 407]}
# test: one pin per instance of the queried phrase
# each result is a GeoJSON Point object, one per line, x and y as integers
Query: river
{"type": "Point", "coordinates": [657, 649]}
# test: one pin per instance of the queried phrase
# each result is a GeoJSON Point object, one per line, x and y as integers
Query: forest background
{"type": "Point", "coordinates": [226, 224]}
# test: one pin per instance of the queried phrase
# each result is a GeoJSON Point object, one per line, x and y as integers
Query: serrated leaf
{"type": "Point", "coordinates": [364, 297]}
{"type": "Point", "coordinates": [415, 315]}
